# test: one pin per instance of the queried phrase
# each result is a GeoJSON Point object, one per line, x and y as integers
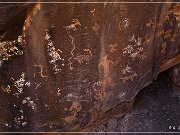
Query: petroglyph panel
{"type": "Point", "coordinates": [73, 65]}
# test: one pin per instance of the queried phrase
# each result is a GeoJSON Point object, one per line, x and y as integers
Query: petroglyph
{"type": "Point", "coordinates": [20, 84]}
{"type": "Point", "coordinates": [79, 73]}
{"type": "Point", "coordinates": [29, 102]}
{"type": "Point", "coordinates": [75, 22]}
{"type": "Point", "coordinates": [41, 70]}
{"type": "Point", "coordinates": [128, 73]}
{"type": "Point", "coordinates": [20, 120]}
{"type": "Point", "coordinates": [135, 49]}
{"type": "Point", "coordinates": [130, 77]}
{"type": "Point", "coordinates": [97, 87]}
{"type": "Point", "coordinates": [84, 57]}
{"type": "Point", "coordinates": [9, 49]}
{"type": "Point", "coordinates": [123, 23]}
{"type": "Point", "coordinates": [93, 11]}
{"type": "Point", "coordinates": [120, 96]}
{"type": "Point", "coordinates": [171, 18]}
{"type": "Point", "coordinates": [7, 89]}
{"type": "Point", "coordinates": [136, 40]}
{"type": "Point", "coordinates": [72, 53]}
{"type": "Point", "coordinates": [70, 118]}
{"type": "Point", "coordinates": [113, 47]}
{"type": "Point", "coordinates": [73, 98]}
{"type": "Point", "coordinates": [176, 12]}
{"type": "Point", "coordinates": [54, 54]}
{"type": "Point", "coordinates": [58, 92]}
{"type": "Point", "coordinates": [150, 23]}
{"type": "Point", "coordinates": [128, 50]}
{"type": "Point", "coordinates": [37, 85]}
{"type": "Point", "coordinates": [127, 70]}
{"type": "Point", "coordinates": [75, 107]}
{"type": "Point", "coordinates": [122, 9]}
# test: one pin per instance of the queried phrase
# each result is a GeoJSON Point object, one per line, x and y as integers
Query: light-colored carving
{"type": "Point", "coordinates": [113, 47]}
{"type": "Point", "coordinates": [85, 57]}
{"type": "Point", "coordinates": [70, 118]}
{"type": "Point", "coordinates": [93, 11]}
{"type": "Point", "coordinates": [123, 23]}
{"type": "Point", "coordinates": [135, 49]}
{"type": "Point", "coordinates": [7, 89]}
{"type": "Point", "coordinates": [29, 102]}
{"type": "Point", "coordinates": [53, 53]}
{"type": "Point", "coordinates": [41, 70]}
{"type": "Point", "coordinates": [128, 73]}
{"type": "Point", "coordinates": [75, 22]}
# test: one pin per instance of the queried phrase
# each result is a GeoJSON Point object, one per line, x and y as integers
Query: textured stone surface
{"type": "Point", "coordinates": [66, 67]}
{"type": "Point", "coordinates": [175, 74]}
{"type": "Point", "coordinates": [156, 109]}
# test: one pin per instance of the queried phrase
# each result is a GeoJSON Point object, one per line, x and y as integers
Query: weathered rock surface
{"type": "Point", "coordinates": [175, 74]}
{"type": "Point", "coordinates": [156, 109]}
{"type": "Point", "coordinates": [66, 67]}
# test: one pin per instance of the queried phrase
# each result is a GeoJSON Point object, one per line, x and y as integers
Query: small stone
{"type": "Point", "coordinates": [112, 124]}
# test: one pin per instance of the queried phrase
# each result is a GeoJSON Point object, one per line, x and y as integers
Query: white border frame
{"type": "Point", "coordinates": [81, 2]}
{"type": "Point", "coordinates": [51, 2]}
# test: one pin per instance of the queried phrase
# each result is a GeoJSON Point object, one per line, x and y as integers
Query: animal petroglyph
{"type": "Point", "coordinates": [75, 22]}
{"type": "Point", "coordinates": [113, 47]}
{"type": "Point", "coordinates": [84, 57]}
{"type": "Point", "coordinates": [128, 73]}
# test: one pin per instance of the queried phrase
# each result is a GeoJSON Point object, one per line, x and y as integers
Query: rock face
{"type": "Point", "coordinates": [81, 63]}
{"type": "Point", "coordinates": [156, 109]}
{"type": "Point", "coordinates": [175, 74]}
